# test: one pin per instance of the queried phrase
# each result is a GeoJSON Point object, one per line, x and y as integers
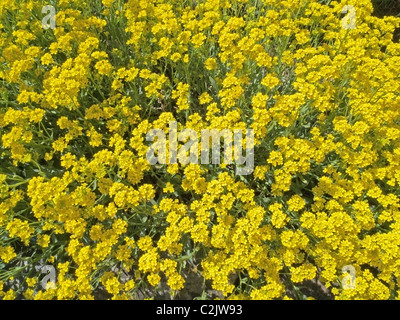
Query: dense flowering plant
{"type": "Point", "coordinates": [77, 192]}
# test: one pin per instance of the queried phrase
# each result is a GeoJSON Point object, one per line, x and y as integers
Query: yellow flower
{"type": "Point", "coordinates": [198, 39]}
{"type": "Point", "coordinates": [104, 67]}
{"type": "Point", "coordinates": [211, 64]}
{"type": "Point", "coordinates": [47, 59]}
{"type": "Point", "coordinates": [153, 279]}
{"type": "Point", "coordinates": [145, 243]}
{"type": "Point", "coordinates": [296, 203]}
{"type": "Point", "coordinates": [43, 240]}
{"type": "Point", "coordinates": [7, 254]}
{"type": "Point", "coordinates": [176, 281]}
{"type": "Point", "coordinates": [169, 188]}
{"type": "Point", "coordinates": [111, 283]}
{"type": "Point", "coordinates": [270, 81]}
{"type": "Point", "coordinates": [181, 93]}
{"type": "Point", "coordinates": [31, 282]}
{"type": "Point", "coordinates": [148, 262]}
{"type": "Point", "coordinates": [176, 56]}
{"type": "Point", "coordinates": [205, 98]}
{"type": "Point", "coordinates": [279, 219]}
{"type": "Point", "coordinates": [21, 229]}
{"type": "Point", "coordinates": [304, 272]}
{"type": "Point", "coordinates": [260, 171]}
{"type": "Point", "coordinates": [10, 295]}
{"type": "Point", "coordinates": [129, 285]}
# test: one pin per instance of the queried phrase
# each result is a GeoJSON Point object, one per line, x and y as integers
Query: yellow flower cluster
{"type": "Point", "coordinates": [78, 193]}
